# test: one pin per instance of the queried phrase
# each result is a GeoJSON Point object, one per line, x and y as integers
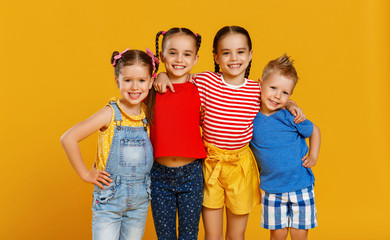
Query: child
{"type": "Point", "coordinates": [124, 154]}
{"type": "Point", "coordinates": [177, 176]}
{"type": "Point", "coordinates": [279, 146]}
{"type": "Point", "coordinates": [231, 102]}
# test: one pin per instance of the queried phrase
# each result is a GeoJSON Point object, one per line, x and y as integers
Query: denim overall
{"type": "Point", "coordinates": [119, 211]}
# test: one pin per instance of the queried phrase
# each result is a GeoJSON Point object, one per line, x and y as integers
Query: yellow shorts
{"type": "Point", "coordinates": [231, 179]}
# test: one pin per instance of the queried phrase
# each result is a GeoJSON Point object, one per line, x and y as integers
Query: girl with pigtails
{"type": "Point", "coordinates": [121, 173]}
{"type": "Point", "coordinates": [177, 176]}
{"type": "Point", "coordinates": [230, 101]}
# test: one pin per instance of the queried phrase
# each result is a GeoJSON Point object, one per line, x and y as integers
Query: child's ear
{"type": "Point", "coordinates": [161, 57]}
{"type": "Point", "coordinates": [117, 82]}
{"type": "Point", "coordinates": [151, 82]}
{"type": "Point", "coordinates": [260, 82]}
{"type": "Point", "coordinates": [196, 59]}
{"type": "Point", "coordinates": [250, 55]}
{"type": "Point", "coordinates": [215, 58]}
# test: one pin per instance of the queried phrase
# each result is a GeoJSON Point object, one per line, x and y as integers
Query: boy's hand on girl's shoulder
{"type": "Point", "coordinates": [296, 111]}
{"type": "Point", "coordinates": [309, 162]}
{"type": "Point", "coordinates": [97, 177]}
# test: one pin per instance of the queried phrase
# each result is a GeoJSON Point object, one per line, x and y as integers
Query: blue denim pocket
{"type": "Point", "coordinates": [132, 152]}
{"type": "Point", "coordinates": [103, 196]}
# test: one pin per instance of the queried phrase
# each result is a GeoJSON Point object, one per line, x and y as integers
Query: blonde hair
{"type": "Point", "coordinates": [282, 65]}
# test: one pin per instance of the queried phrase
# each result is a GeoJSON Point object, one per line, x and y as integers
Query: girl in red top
{"type": "Point", "coordinates": [177, 176]}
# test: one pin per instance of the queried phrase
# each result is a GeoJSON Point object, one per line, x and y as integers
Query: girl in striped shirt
{"type": "Point", "coordinates": [231, 102]}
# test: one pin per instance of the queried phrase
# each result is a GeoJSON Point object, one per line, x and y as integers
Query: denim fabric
{"type": "Point", "coordinates": [120, 210]}
{"type": "Point", "coordinates": [177, 189]}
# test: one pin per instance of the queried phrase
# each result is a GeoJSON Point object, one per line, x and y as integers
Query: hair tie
{"type": "Point", "coordinates": [117, 57]}
{"type": "Point", "coordinates": [163, 32]}
{"type": "Point", "coordinates": [154, 60]}
{"type": "Point", "coordinates": [196, 35]}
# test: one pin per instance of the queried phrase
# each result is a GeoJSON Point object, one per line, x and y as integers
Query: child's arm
{"type": "Point", "coordinates": [162, 82]}
{"type": "Point", "coordinates": [80, 131]}
{"type": "Point", "coordinates": [296, 111]}
{"type": "Point", "coordinates": [314, 148]}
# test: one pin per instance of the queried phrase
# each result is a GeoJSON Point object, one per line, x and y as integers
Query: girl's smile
{"type": "Point", "coordinates": [134, 83]}
{"type": "Point", "coordinates": [179, 57]}
{"type": "Point", "coordinates": [233, 56]}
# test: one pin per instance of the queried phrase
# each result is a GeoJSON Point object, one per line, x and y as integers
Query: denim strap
{"type": "Point", "coordinates": [118, 115]}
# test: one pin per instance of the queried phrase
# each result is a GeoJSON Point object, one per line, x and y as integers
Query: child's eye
{"type": "Point", "coordinates": [172, 53]}
{"type": "Point", "coordinates": [273, 87]}
{"type": "Point", "coordinates": [127, 80]}
{"type": "Point", "coordinates": [142, 80]}
{"type": "Point", "coordinates": [225, 53]}
{"type": "Point", "coordinates": [241, 52]}
{"type": "Point", "coordinates": [187, 54]}
{"type": "Point", "coordinates": [285, 93]}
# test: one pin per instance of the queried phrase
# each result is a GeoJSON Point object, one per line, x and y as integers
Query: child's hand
{"type": "Point", "coordinates": [191, 76]}
{"type": "Point", "coordinates": [162, 82]}
{"type": "Point", "coordinates": [97, 177]}
{"type": "Point", "coordinates": [309, 162]}
{"type": "Point", "coordinates": [295, 111]}
{"type": "Point", "coordinates": [202, 114]}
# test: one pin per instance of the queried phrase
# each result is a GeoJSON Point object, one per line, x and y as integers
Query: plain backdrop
{"type": "Point", "coordinates": [55, 71]}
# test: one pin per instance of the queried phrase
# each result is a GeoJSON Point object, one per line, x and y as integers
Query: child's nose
{"type": "Point", "coordinates": [179, 58]}
{"type": "Point", "coordinates": [134, 85]}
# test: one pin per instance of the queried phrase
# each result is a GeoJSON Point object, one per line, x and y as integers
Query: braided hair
{"type": "Point", "coordinates": [173, 31]}
{"type": "Point", "coordinates": [224, 31]}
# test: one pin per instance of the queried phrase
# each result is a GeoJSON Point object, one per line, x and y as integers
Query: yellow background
{"type": "Point", "coordinates": [55, 72]}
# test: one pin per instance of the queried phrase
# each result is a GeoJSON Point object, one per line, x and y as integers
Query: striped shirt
{"type": "Point", "coordinates": [229, 110]}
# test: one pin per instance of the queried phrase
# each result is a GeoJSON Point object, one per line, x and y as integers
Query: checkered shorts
{"type": "Point", "coordinates": [293, 209]}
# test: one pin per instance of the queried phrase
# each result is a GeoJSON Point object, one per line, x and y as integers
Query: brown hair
{"type": "Point", "coordinates": [224, 31]}
{"type": "Point", "coordinates": [282, 65]}
{"type": "Point", "coordinates": [130, 58]}
{"type": "Point", "coordinates": [166, 36]}
{"type": "Point", "coordinates": [173, 31]}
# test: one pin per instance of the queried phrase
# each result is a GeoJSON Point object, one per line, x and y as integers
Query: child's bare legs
{"type": "Point", "coordinates": [213, 224]}
{"type": "Point", "coordinates": [236, 225]}
{"type": "Point", "coordinates": [279, 234]}
{"type": "Point", "coordinates": [296, 234]}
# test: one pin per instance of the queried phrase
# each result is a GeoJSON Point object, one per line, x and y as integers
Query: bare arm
{"type": "Point", "coordinates": [296, 111]}
{"type": "Point", "coordinates": [162, 82]}
{"type": "Point", "coordinates": [70, 142]}
{"type": "Point", "coordinates": [314, 148]}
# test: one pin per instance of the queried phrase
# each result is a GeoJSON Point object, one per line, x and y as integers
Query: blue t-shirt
{"type": "Point", "coordinates": [279, 146]}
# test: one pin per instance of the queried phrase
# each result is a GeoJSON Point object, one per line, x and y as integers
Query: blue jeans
{"type": "Point", "coordinates": [120, 210]}
{"type": "Point", "coordinates": [177, 189]}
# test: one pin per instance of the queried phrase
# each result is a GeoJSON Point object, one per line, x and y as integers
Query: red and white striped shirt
{"type": "Point", "coordinates": [230, 110]}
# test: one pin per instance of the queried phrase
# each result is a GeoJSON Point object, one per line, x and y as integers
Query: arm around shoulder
{"type": "Point", "coordinates": [77, 133]}
{"type": "Point", "coordinates": [314, 148]}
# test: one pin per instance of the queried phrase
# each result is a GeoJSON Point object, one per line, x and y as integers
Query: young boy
{"type": "Point", "coordinates": [283, 157]}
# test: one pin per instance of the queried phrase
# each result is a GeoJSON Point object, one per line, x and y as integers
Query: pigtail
{"type": "Point", "coordinates": [198, 41]}
{"type": "Point", "coordinates": [112, 57]}
{"type": "Point", "coordinates": [116, 70]}
{"type": "Point", "coordinates": [248, 69]}
{"type": "Point", "coordinates": [157, 46]}
{"type": "Point", "coordinates": [216, 67]}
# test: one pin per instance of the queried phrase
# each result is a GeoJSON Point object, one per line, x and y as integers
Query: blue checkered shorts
{"type": "Point", "coordinates": [293, 209]}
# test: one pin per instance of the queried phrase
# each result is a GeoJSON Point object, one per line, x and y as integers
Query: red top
{"type": "Point", "coordinates": [176, 129]}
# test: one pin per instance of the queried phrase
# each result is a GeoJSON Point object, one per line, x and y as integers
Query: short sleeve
{"type": "Point", "coordinates": [304, 128]}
